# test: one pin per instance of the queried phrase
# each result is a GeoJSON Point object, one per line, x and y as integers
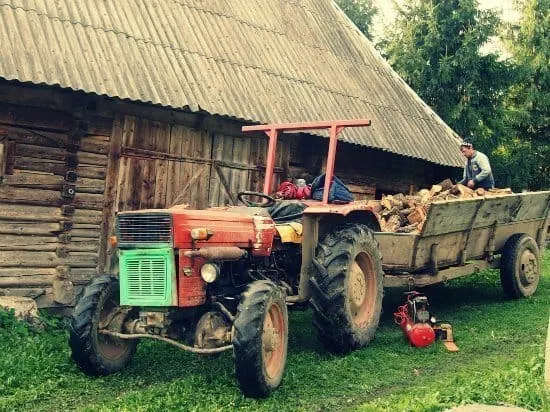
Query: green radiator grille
{"type": "Point", "coordinates": [146, 277]}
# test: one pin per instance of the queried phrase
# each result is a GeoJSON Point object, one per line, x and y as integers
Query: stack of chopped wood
{"type": "Point", "coordinates": [407, 213]}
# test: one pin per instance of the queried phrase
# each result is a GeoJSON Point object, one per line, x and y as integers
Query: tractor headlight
{"type": "Point", "coordinates": [201, 233]}
{"type": "Point", "coordinates": [210, 272]}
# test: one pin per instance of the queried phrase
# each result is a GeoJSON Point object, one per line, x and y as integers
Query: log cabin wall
{"type": "Point", "coordinates": [68, 172]}
{"type": "Point", "coordinates": [51, 201]}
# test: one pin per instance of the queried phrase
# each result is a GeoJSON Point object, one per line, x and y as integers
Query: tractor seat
{"type": "Point", "coordinates": [287, 211]}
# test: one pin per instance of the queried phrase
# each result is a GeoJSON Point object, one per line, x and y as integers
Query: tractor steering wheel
{"type": "Point", "coordinates": [270, 200]}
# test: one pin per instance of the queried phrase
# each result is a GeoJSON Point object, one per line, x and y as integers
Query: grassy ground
{"type": "Point", "coordinates": [500, 360]}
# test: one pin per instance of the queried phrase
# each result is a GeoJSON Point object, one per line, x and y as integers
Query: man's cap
{"type": "Point", "coordinates": [466, 143]}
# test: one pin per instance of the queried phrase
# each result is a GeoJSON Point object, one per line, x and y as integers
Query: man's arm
{"type": "Point", "coordinates": [485, 166]}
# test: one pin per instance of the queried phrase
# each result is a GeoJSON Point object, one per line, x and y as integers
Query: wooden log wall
{"type": "Point", "coordinates": [162, 165]}
{"type": "Point", "coordinates": [51, 200]}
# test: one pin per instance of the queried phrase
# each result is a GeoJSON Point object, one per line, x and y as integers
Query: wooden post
{"type": "Point", "coordinates": [111, 180]}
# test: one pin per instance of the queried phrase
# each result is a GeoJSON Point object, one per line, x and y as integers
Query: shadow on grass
{"type": "Point", "coordinates": [156, 362]}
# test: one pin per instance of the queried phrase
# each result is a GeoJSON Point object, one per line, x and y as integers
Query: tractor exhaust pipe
{"type": "Point", "coordinates": [217, 253]}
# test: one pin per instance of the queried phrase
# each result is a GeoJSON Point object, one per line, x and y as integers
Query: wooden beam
{"type": "Point", "coordinates": [224, 183]}
{"type": "Point", "coordinates": [110, 195]}
{"type": "Point", "coordinates": [133, 152]}
{"type": "Point", "coordinates": [409, 279]}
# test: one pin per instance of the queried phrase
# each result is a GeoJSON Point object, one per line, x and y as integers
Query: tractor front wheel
{"type": "Point", "coordinates": [260, 339]}
{"type": "Point", "coordinates": [520, 266]}
{"type": "Point", "coordinates": [347, 288]}
{"type": "Point", "coordinates": [98, 307]}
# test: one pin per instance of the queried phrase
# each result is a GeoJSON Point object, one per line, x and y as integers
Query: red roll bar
{"type": "Point", "coordinates": [272, 131]}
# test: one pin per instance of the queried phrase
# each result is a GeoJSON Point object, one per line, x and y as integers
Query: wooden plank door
{"type": "Point", "coordinates": [238, 164]}
{"type": "Point", "coordinates": [162, 165]}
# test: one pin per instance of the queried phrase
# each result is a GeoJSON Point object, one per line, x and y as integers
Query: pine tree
{"type": "Point", "coordinates": [361, 13]}
{"type": "Point", "coordinates": [529, 99]}
{"type": "Point", "coordinates": [436, 46]}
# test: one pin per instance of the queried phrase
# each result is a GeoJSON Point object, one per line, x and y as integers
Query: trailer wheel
{"type": "Point", "coordinates": [94, 353]}
{"type": "Point", "coordinates": [347, 288]}
{"type": "Point", "coordinates": [260, 339]}
{"type": "Point", "coordinates": [520, 266]}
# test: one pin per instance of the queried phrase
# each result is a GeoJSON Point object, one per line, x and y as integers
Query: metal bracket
{"type": "Point", "coordinates": [68, 191]}
{"type": "Point", "coordinates": [66, 225]}
{"type": "Point", "coordinates": [67, 210]}
{"type": "Point", "coordinates": [62, 252]}
{"type": "Point", "coordinates": [78, 130]}
{"type": "Point", "coordinates": [71, 176]}
{"type": "Point", "coordinates": [434, 264]}
{"type": "Point", "coordinates": [490, 248]}
{"type": "Point", "coordinates": [71, 160]}
{"type": "Point", "coordinates": [464, 253]}
{"type": "Point", "coordinates": [65, 238]}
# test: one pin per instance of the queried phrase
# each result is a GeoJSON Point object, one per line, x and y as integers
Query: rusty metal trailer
{"type": "Point", "coordinates": [461, 237]}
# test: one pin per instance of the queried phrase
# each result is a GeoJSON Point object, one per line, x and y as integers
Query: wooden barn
{"type": "Point", "coordinates": [109, 106]}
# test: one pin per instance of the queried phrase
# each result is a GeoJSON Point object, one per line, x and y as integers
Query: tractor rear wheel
{"type": "Point", "coordinates": [520, 266]}
{"type": "Point", "coordinates": [260, 339]}
{"type": "Point", "coordinates": [347, 288]}
{"type": "Point", "coordinates": [98, 307]}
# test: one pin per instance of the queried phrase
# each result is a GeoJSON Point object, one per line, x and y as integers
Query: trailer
{"type": "Point", "coordinates": [463, 236]}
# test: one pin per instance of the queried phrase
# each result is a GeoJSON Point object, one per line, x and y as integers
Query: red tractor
{"type": "Point", "coordinates": [222, 279]}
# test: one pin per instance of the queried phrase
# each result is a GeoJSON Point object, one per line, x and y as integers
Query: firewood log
{"type": "Point", "coordinates": [417, 215]}
{"type": "Point", "coordinates": [463, 192]}
{"type": "Point", "coordinates": [446, 184]}
{"type": "Point", "coordinates": [408, 228]}
{"type": "Point", "coordinates": [386, 202]}
{"type": "Point", "coordinates": [392, 224]}
{"type": "Point", "coordinates": [496, 191]}
{"type": "Point", "coordinates": [480, 191]}
{"type": "Point", "coordinates": [435, 190]}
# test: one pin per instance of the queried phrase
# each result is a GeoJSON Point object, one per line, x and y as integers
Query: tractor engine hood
{"type": "Point", "coordinates": [228, 227]}
{"type": "Point", "coordinates": [243, 227]}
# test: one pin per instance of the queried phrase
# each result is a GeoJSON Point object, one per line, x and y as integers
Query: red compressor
{"type": "Point", "coordinates": [414, 319]}
{"type": "Point", "coordinates": [419, 326]}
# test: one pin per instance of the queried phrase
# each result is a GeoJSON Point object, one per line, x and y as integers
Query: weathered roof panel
{"type": "Point", "coordinates": [255, 60]}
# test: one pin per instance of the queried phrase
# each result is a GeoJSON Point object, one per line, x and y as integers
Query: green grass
{"type": "Point", "coordinates": [500, 361]}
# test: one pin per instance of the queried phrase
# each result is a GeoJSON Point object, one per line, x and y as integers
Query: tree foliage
{"type": "Point", "coordinates": [361, 13]}
{"type": "Point", "coordinates": [436, 47]}
{"type": "Point", "coordinates": [503, 105]}
{"type": "Point", "coordinates": [529, 99]}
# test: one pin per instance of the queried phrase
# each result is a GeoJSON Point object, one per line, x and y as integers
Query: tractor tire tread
{"type": "Point", "coordinates": [247, 337]}
{"type": "Point", "coordinates": [330, 317]}
{"type": "Point", "coordinates": [80, 329]}
{"type": "Point", "coordinates": [508, 264]}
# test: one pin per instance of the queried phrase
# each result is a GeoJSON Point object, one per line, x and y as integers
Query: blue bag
{"type": "Point", "coordinates": [338, 192]}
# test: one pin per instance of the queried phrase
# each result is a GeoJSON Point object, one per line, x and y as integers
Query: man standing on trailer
{"type": "Point", "coordinates": [477, 170]}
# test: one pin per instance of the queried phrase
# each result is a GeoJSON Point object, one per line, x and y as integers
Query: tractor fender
{"type": "Point", "coordinates": [318, 221]}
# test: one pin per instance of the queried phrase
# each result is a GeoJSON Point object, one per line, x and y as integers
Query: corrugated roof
{"type": "Point", "coordinates": [256, 60]}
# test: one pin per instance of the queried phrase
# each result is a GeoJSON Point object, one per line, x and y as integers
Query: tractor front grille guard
{"type": "Point", "coordinates": [137, 229]}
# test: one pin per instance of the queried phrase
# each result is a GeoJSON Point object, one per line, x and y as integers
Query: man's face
{"type": "Point", "coordinates": [468, 152]}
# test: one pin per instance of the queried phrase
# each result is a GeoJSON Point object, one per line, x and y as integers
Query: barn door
{"type": "Point", "coordinates": [162, 165]}
{"type": "Point", "coordinates": [238, 164]}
